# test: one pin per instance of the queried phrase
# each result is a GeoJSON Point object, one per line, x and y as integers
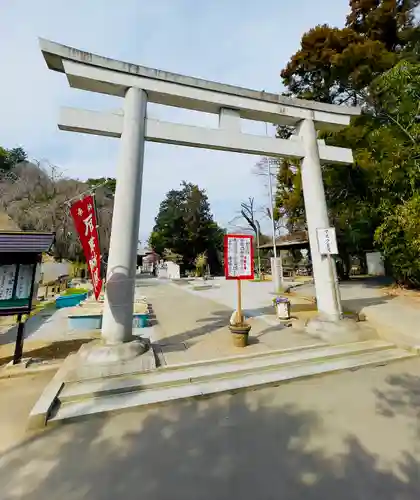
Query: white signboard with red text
{"type": "Point", "coordinates": [239, 257]}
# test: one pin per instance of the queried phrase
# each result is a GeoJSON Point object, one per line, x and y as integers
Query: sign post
{"type": "Point", "coordinates": [16, 295]}
{"type": "Point", "coordinates": [327, 244]}
{"type": "Point", "coordinates": [239, 263]}
{"type": "Point", "coordinates": [20, 260]}
{"type": "Point", "coordinates": [84, 216]}
{"type": "Point", "coordinates": [239, 310]}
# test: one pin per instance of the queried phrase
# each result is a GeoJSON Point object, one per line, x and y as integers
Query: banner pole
{"type": "Point", "coordinates": [91, 190]}
{"type": "Point", "coordinates": [95, 209]}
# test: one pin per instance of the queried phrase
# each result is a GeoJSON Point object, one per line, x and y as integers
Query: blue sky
{"type": "Point", "coordinates": [240, 42]}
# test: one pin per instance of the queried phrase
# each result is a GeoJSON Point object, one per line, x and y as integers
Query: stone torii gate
{"type": "Point", "coordinates": [138, 85]}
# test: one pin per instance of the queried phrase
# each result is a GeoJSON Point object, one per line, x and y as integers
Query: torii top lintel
{"type": "Point", "coordinates": [91, 72]}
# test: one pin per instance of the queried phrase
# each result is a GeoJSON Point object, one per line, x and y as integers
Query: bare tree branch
{"type": "Point", "coordinates": [36, 199]}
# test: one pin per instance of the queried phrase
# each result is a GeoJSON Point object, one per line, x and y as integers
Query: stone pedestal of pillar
{"type": "Point", "coordinates": [339, 331]}
{"type": "Point", "coordinates": [105, 354]}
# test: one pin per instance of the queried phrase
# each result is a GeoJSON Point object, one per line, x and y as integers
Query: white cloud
{"type": "Point", "coordinates": [240, 42]}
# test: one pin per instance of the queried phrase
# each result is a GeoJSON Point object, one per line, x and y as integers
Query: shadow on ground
{"type": "Point", "coordinates": [298, 308]}
{"type": "Point", "coordinates": [258, 311]}
{"type": "Point", "coordinates": [54, 350]}
{"type": "Point", "coordinates": [217, 320]}
{"type": "Point", "coordinates": [359, 291]}
{"type": "Point", "coordinates": [368, 282]}
{"type": "Point", "coordinates": [356, 305]}
{"type": "Point", "coordinates": [221, 449]}
{"type": "Point", "coordinates": [31, 326]}
{"type": "Point", "coordinates": [402, 397]}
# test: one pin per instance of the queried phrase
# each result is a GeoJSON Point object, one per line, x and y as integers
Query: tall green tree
{"type": "Point", "coordinates": [391, 22]}
{"type": "Point", "coordinates": [289, 201]}
{"type": "Point", "coordinates": [184, 225]}
{"type": "Point", "coordinates": [337, 65]}
{"type": "Point", "coordinates": [372, 61]}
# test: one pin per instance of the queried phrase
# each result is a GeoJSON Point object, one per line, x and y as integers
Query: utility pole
{"type": "Point", "coordinates": [257, 224]}
{"type": "Point", "coordinates": [277, 272]}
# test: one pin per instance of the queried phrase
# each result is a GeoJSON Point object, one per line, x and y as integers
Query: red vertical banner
{"type": "Point", "coordinates": [84, 216]}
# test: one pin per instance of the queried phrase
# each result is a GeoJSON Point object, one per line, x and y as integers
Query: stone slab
{"type": "Point", "coordinates": [40, 412]}
{"type": "Point", "coordinates": [131, 400]}
{"type": "Point", "coordinates": [75, 368]}
{"type": "Point", "coordinates": [216, 369]}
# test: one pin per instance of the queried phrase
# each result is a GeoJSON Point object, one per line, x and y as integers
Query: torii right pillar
{"type": "Point", "coordinates": [317, 218]}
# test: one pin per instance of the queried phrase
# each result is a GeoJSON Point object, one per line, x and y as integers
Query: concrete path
{"type": "Point", "coordinates": [51, 324]}
{"type": "Point", "coordinates": [354, 435]}
{"type": "Point", "coordinates": [256, 298]}
{"type": "Point", "coordinates": [17, 398]}
{"type": "Point", "coordinates": [395, 318]}
{"type": "Point", "coordinates": [47, 337]}
{"type": "Point", "coordinates": [194, 326]}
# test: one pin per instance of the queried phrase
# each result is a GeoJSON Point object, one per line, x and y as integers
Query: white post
{"type": "Point", "coordinates": [258, 252]}
{"type": "Point", "coordinates": [120, 286]}
{"type": "Point", "coordinates": [317, 218]}
{"type": "Point", "coordinates": [277, 273]}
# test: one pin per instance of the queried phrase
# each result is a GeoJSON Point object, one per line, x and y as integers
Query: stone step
{"type": "Point", "coordinates": [191, 388]}
{"type": "Point", "coordinates": [202, 371]}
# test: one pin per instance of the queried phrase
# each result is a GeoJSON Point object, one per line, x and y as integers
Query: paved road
{"type": "Point", "coordinates": [51, 325]}
{"type": "Point", "coordinates": [363, 290]}
{"type": "Point", "coordinates": [354, 435]}
{"type": "Point", "coordinates": [256, 296]}
{"type": "Point", "coordinates": [192, 326]}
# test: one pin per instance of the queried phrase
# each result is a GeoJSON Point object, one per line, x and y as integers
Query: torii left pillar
{"type": "Point", "coordinates": [117, 329]}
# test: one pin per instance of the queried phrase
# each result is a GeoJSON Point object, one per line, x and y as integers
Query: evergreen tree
{"type": "Point", "coordinates": [373, 61]}
{"type": "Point", "coordinates": [184, 225]}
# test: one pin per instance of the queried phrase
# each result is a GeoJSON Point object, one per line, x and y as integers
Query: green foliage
{"type": "Point", "coordinates": [289, 195]}
{"type": "Point", "coordinates": [75, 291]}
{"type": "Point", "coordinates": [200, 263]}
{"type": "Point", "coordinates": [372, 61]}
{"type": "Point", "coordinates": [11, 157]}
{"type": "Point", "coordinates": [389, 21]}
{"type": "Point", "coordinates": [108, 183]}
{"type": "Point", "coordinates": [171, 256]}
{"type": "Point", "coordinates": [334, 65]}
{"type": "Point", "coordinates": [337, 65]}
{"type": "Point", "coordinates": [399, 237]}
{"type": "Point", "coordinates": [185, 226]}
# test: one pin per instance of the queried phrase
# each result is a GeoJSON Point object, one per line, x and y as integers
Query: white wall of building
{"type": "Point", "coordinates": [375, 264]}
{"type": "Point", "coordinates": [50, 271]}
